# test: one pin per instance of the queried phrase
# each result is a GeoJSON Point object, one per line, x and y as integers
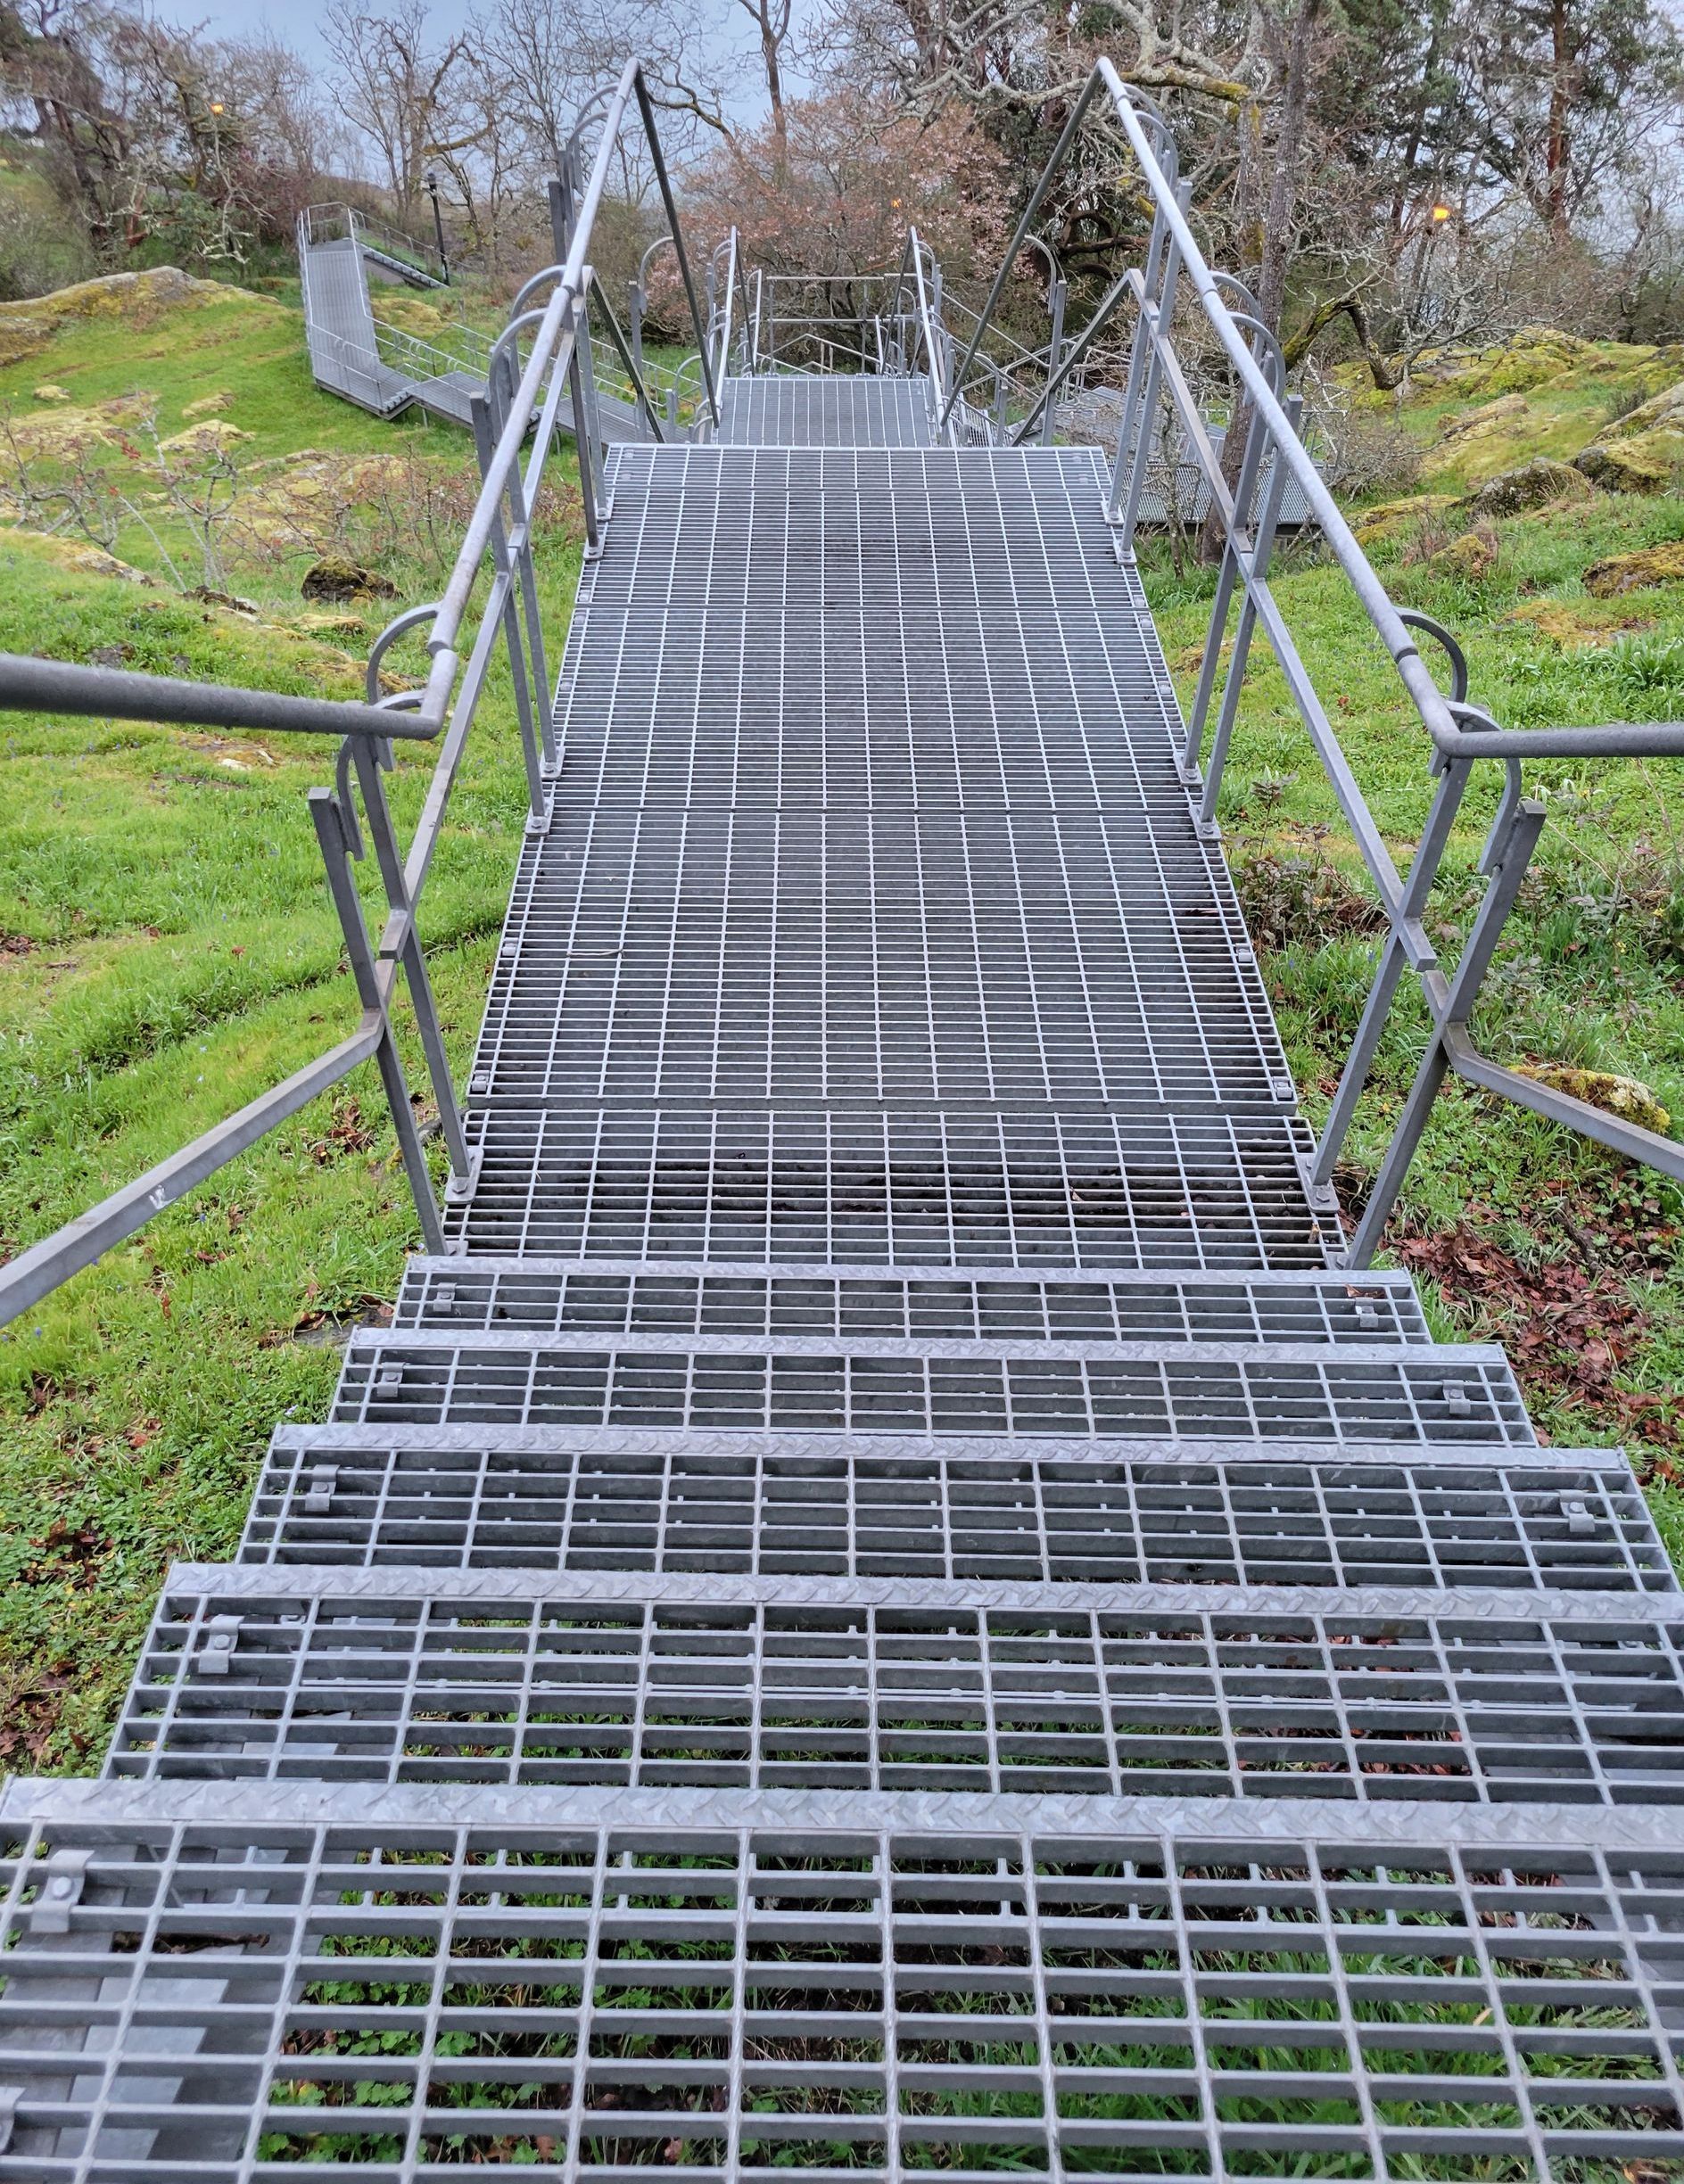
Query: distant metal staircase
{"type": "Point", "coordinates": [888, 1605]}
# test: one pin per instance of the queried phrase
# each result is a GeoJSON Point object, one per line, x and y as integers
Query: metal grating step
{"type": "Point", "coordinates": [874, 630]}
{"type": "Point", "coordinates": [835, 1303]}
{"type": "Point", "coordinates": [851, 955]}
{"type": "Point", "coordinates": [709, 1683]}
{"type": "Point", "coordinates": [228, 1997]}
{"type": "Point", "coordinates": [788, 410]}
{"type": "Point", "coordinates": [1031, 1189]}
{"type": "Point", "coordinates": [1461, 1394]}
{"type": "Point", "coordinates": [462, 1498]}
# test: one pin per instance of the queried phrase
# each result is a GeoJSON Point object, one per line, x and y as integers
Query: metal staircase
{"type": "Point", "coordinates": [888, 1603]}
{"type": "Point", "coordinates": [891, 1610]}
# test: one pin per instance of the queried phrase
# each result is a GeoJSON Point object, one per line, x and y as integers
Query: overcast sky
{"type": "Point", "coordinates": [298, 22]}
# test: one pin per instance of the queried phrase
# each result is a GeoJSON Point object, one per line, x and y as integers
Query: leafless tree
{"type": "Point", "coordinates": [399, 87]}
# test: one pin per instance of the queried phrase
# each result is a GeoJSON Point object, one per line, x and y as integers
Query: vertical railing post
{"type": "Point", "coordinates": [1054, 352]}
{"type": "Point", "coordinates": [581, 440]}
{"type": "Point", "coordinates": [1138, 351]}
{"type": "Point", "coordinates": [588, 373]}
{"type": "Point", "coordinates": [335, 831]}
{"type": "Point", "coordinates": [369, 761]}
{"type": "Point", "coordinates": [1525, 825]}
{"type": "Point", "coordinates": [1159, 321]}
{"type": "Point", "coordinates": [1394, 960]}
{"type": "Point", "coordinates": [526, 575]}
{"type": "Point", "coordinates": [1262, 547]}
{"type": "Point", "coordinates": [484, 416]}
{"type": "Point", "coordinates": [634, 321]}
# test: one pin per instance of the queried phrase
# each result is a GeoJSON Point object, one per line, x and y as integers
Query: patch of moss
{"type": "Point", "coordinates": [1638, 572]}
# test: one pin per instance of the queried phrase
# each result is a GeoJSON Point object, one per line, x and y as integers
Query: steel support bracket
{"type": "Point", "coordinates": [61, 1892]}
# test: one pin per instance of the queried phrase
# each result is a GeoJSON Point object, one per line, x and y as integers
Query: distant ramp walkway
{"type": "Point", "coordinates": [383, 368]}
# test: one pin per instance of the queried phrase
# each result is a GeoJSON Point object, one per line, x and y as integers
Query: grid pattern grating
{"type": "Point", "coordinates": [621, 1502]}
{"type": "Point", "coordinates": [515, 1690]}
{"type": "Point", "coordinates": [686, 956]}
{"type": "Point", "coordinates": [733, 2004]}
{"type": "Point", "coordinates": [848, 632]}
{"type": "Point", "coordinates": [829, 410]}
{"type": "Point", "coordinates": [1455, 1395]}
{"type": "Point", "coordinates": [1027, 1190]}
{"type": "Point", "coordinates": [830, 1304]}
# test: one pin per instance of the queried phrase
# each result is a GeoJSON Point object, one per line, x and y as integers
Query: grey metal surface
{"type": "Point", "coordinates": [1032, 1189]}
{"type": "Point", "coordinates": [339, 325]}
{"type": "Point", "coordinates": [595, 1999]}
{"type": "Point", "coordinates": [484, 1294]}
{"type": "Point", "coordinates": [466, 1685]}
{"type": "Point", "coordinates": [793, 409]}
{"type": "Point", "coordinates": [1181, 1392]}
{"type": "Point", "coordinates": [730, 1503]}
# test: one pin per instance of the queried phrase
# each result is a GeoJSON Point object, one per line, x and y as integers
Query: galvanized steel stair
{"type": "Point", "coordinates": [892, 1609]}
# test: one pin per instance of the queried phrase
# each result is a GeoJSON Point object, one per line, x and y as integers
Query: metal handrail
{"type": "Point", "coordinates": [1248, 512]}
{"type": "Point", "coordinates": [516, 422]}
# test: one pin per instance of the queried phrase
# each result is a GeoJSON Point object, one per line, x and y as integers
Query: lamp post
{"type": "Point", "coordinates": [432, 181]}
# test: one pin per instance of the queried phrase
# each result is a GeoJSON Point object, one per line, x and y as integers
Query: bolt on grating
{"type": "Point", "coordinates": [1455, 1395]}
{"type": "Point", "coordinates": [497, 1687]}
{"type": "Point", "coordinates": [837, 1304]}
{"type": "Point", "coordinates": [625, 1501]}
{"type": "Point", "coordinates": [1031, 1189]}
{"type": "Point", "coordinates": [858, 409]}
{"type": "Point", "coordinates": [617, 2002]}
{"type": "Point", "coordinates": [692, 955]}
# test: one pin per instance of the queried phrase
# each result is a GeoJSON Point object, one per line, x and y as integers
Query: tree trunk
{"type": "Point", "coordinates": [1276, 254]}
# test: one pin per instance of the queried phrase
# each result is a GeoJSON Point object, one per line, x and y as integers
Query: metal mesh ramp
{"type": "Point", "coordinates": [791, 409]}
{"type": "Point", "coordinates": [889, 1607]}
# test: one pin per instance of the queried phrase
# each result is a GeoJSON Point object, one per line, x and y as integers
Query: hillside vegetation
{"type": "Point", "coordinates": [167, 948]}
{"type": "Point", "coordinates": [1568, 595]}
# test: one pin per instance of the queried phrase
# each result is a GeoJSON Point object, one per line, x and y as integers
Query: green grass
{"type": "Point", "coordinates": [166, 950]}
{"type": "Point", "coordinates": [1524, 1232]}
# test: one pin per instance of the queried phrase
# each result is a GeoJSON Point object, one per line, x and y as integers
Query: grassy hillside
{"type": "Point", "coordinates": [166, 946]}
{"type": "Point", "coordinates": [167, 949]}
{"type": "Point", "coordinates": [1523, 1233]}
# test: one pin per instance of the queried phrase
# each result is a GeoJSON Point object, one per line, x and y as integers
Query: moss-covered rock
{"type": "Point", "coordinates": [1529, 485]}
{"type": "Point", "coordinates": [1625, 1096]}
{"type": "Point", "coordinates": [1471, 557]}
{"type": "Point", "coordinates": [206, 436]}
{"type": "Point", "coordinates": [1662, 408]}
{"type": "Point", "coordinates": [1386, 518]}
{"type": "Point", "coordinates": [1487, 418]}
{"type": "Point", "coordinates": [335, 579]}
{"type": "Point", "coordinates": [1622, 572]}
{"type": "Point", "coordinates": [1648, 462]}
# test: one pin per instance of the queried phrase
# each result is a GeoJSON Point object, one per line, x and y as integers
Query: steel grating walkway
{"type": "Point", "coordinates": [801, 409]}
{"type": "Point", "coordinates": [888, 1608]}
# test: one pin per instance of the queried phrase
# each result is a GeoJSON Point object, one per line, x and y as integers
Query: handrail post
{"type": "Point", "coordinates": [1262, 547]}
{"type": "Point", "coordinates": [581, 445]}
{"type": "Point", "coordinates": [484, 419]}
{"type": "Point", "coordinates": [1457, 1007]}
{"type": "Point", "coordinates": [588, 373]}
{"type": "Point", "coordinates": [1394, 960]}
{"type": "Point", "coordinates": [1155, 319]}
{"type": "Point", "coordinates": [411, 957]}
{"type": "Point", "coordinates": [333, 833]}
{"type": "Point", "coordinates": [1054, 350]}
